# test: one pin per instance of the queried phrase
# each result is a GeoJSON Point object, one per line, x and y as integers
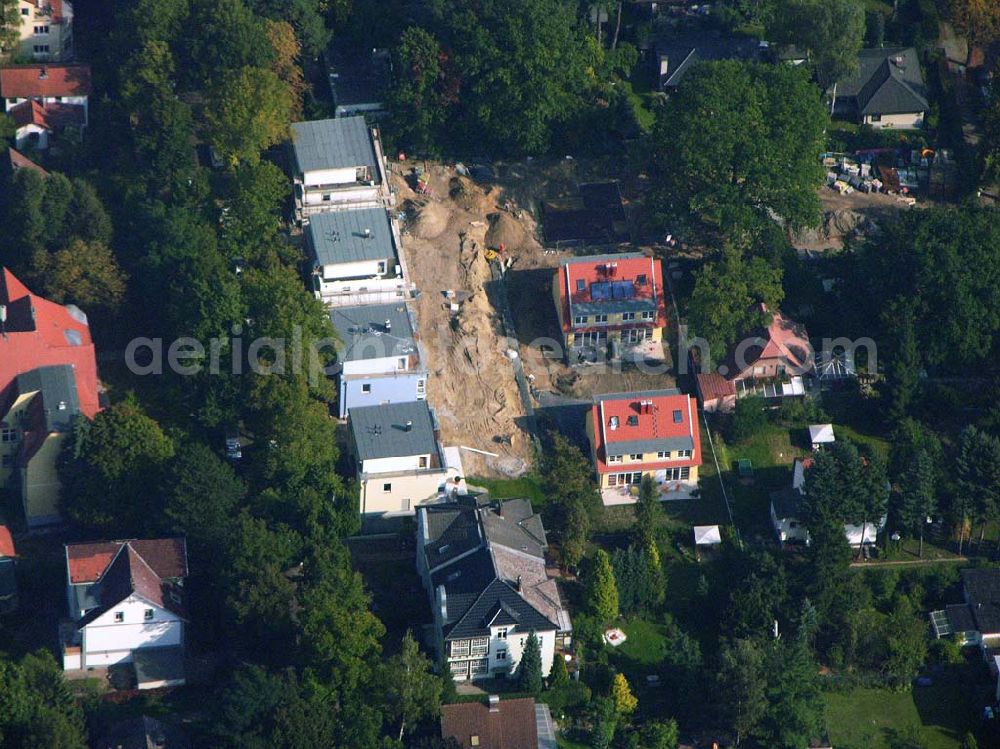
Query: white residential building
{"type": "Point", "coordinates": [483, 567]}
{"type": "Point", "coordinates": [45, 99]}
{"type": "Point", "coordinates": [400, 463]}
{"type": "Point", "coordinates": [46, 31]}
{"type": "Point", "coordinates": [378, 361]}
{"type": "Point", "coordinates": [337, 165]}
{"type": "Point", "coordinates": [356, 258]}
{"type": "Point", "coordinates": [125, 603]}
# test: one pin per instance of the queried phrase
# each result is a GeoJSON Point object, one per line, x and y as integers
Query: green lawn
{"type": "Point", "coordinates": [934, 717]}
{"type": "Point", "coordinates": [529, 486]}
{"type": "Point", "coordinates": [644, 643]}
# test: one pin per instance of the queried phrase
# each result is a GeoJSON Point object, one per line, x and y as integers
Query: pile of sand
{"type": "Point", "coordinates": [504, 230]}
{"type": "Point", "coordinates": [469, 196]}
{"type": "Point", "coordinates": [429, 219]}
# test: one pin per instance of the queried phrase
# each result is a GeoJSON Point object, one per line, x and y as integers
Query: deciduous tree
{"type": "Point", "coordinates": [414, 692]}
{"type": "Point", "coordinates": [249, 111]}
{"type": "Point", "coordinates": [736, 147]}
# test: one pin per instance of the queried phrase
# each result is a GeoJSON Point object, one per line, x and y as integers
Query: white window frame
{"type": "Point", "coordinates": [628, 316]}
{"type": "Point", "coordinates": [580, 320]}
{"type": "Point", "coordinates": [648, 315]}
{"type": "Point", "coordinates": [459, 648]}
{"type": "Point", "coordinates": [615, 458]}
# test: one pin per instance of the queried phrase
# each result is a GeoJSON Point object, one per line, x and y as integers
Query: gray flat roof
{"type": "Point", "coordinates": [333, 144]}
{"type": "Point", "coordinates": [381, 431]}
{"type": "Point", "coordinates": [351, 236]}
{"type": "Point", "coordinates": [364, 334]}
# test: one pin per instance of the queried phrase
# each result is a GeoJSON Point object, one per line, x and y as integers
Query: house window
{"type": "Point", "coordinates": [640, 280]}
{"type": "Point", "coordinates": [366, 387]}
{"type": "Point", "coordinates": [480, 645]}
{"type": "Point", "coordinates": [635, 456]}
{"type": "Point", "coordinates": [381, 266]}
{"type": "Point", "coordinates": [41, 49]}
{"type": "Point", "coordinates": [678, 474]}
{"type": "Point", "coordinates": [580, 320]}
{"type": "Point", "coordinates": [474, 739]}
{"type": "Point", "coordinates": [501, 655]}
{"type": "Point", "coordinates": [8, 434]}
{"type": "Point", "coordinates": [684, 454]}
{"type": "Point", "coordinates": [627, 316]}
{"type": "Point", "coordinates": [401, 362]}
{"type": "Point", "coordinates": [502, 635]}
{"type": "Point", "coordinates": [24, 11]}
{"type": "Point", "coordinates": [41, 29]}
{"type": "Point", "coordinates": [614, 458]}
{"type": "Point", "coordinates": [663, 454]}
{"type": "Point", "coordinates": [459, 648]}
{"type": "Point", "coordinates": [326, 197]}
{"type": "Point", "coordinates": [480, 667]}
{"type": "Point", "coordinates": [147, 615]}
{"type": "Point", "coordinates": [876, 118]}
{"type": "Point", "coordinates": [581, 284]}
{"type": "Point", "coordinates": [633, 420]}
{"type": "Point", "coordinates": [421, 388]}
{"type": "Point", "coordinates": [624, 479]}
{"type": "Point", "coordinates": [648, 315]}
{"type": "Point", "coordinates": [387, 488]}
{"type": "Point", "coordinates": [460, 668]}
{"type": "Point", "coordinates": [423, 461]}
{"type": "Point", "coordinates": [600, 318]}
{"type": "Point", "coordinates": [678, 417]}
{"type": "Point", "coordinates": [119, 617]}
{"type": "Point", "coordinates": [613, 423]}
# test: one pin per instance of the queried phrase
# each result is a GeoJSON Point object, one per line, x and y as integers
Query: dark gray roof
{"type": "Point", "coordinates": [158, 664]}
{"type": "Point", "coordinates": [142, 732]}
{"type": "Point", "coordinates": [982, 590]}
{"type": "Point", "coordinates": [364, 335]}
{"type": "Point", "coordinates": [358, 76]}
{"type": "Point", "coordinates": [960, 618]}
{"type": "Point", "coordinates": [684, 51]}
{"type": "Point", "coordinates": [452, 531]}
{"type": "Point", "coordinates": [351, 236]}
{"type": "Point", "coordinates": [498, 603]}
{"type": "Point", "coordinates": [464, 581]}
{"type": "Point", "coordinates": [381, 431]}
{"type": "Point", "coordinates": [888, 81]}
{"type": "Point", "coordinates": [333, 144]}
{"type": "Point", "coordinates": [787, 504]}
{"type": "Point", "coordinates": [57, 387]}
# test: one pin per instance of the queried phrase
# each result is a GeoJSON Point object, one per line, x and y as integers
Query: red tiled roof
{"type": "Point", "coordinates": [40, 333]}
{"type": "Point", "coordinates": [609, 268]}
{"type": "Point", "coordinates": [35, 81]}
{"type": "Point", "coordinates": [6, 543]}
{"type": "Point", "coordinates": [653, 422]}
{"type": "Point", "coordinates": [86, 563]}
{"type": "Point", "coordinates": [48, 116]}
{"type": "Point", "coordinates": [712, 385]}
{"type": "Point", "coordinates": [56, 7]}
{"type": "Point", "coordinates": [511, 726]}
{"type": "Point", "coordinates": [19, 161]}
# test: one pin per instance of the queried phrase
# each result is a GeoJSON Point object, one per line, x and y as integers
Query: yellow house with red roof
{"type": "Point", "coordinates": [607, 301]}
{"type": "Point", "coordinates": [652, 433]}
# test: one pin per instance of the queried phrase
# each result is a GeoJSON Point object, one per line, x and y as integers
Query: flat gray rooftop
{"type": "Point", "coordinates": [382, 432]}
{"type": "Point", "coordinates": [365, 335]}
{"type": "Point", "coordinates": [351, 236]}
{"type": "Point", "coordinates": [333, 144]}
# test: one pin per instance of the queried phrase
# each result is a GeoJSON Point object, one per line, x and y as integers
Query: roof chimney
{"type": "Point", "coordinates": [518, 583]}
{"type": "Point", "coordinates": [494, 703]}
{"type": "Point", "coordinates": [43, 73]}
{"type": "Point", "coordinates": [388, 325]}
{"type": "Point", "coordinates": [368, 233]}
{"type": "Point", "coordinates": [409, 426]}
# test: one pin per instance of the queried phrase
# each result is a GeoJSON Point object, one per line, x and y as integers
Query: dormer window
{"type": "Point", "coordinates": [119, 617]}
{"type": "Point", "coordinates": [633, 420]}
{"type": "Point", "coordinates": [581, 285]}
{"type": "Point", "coordinates": [613, 423]}
{"type": "Point", "coordinates": [501, 635]}
{"type": "Point", "coordinates": [678, 417]}
{"type": "Point", "coordinates": [640, 280]}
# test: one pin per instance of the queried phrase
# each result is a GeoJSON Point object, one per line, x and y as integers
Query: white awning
{"type": "Point", "coordinates": [707, 535]}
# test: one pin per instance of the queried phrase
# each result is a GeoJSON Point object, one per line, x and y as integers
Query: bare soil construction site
{"type": "Point", "coordinates": [452, 228]}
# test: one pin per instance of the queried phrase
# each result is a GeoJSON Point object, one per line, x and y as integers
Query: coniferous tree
{"type": "Point", "coordinates": [529, 670]}
{"type": "Point", "coordinates": [602, 590]}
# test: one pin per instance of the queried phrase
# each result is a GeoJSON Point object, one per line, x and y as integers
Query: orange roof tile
{"type": "Point", "coordinates": [35, 81]}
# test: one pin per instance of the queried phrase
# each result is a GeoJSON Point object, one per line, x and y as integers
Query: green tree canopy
{"type": "Point", "coordinates": [113, 470]}
{"type": "Point", "coordinates": [602, 590]}
{"type": "Point", "coordinates": [727, 298]}
{"type": "Point", "coordinates": [529, 670]}
{"type": "Point", "coordinates": [37, 709]}
{"type": "Point", "coordinates": [831, 32]}
{"type": "Point", "coordinates": [414, 692]}
{"type": "Point", "coordinates": [735, 147]}
{"type": "Point", "coordinates": [249, 111]}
